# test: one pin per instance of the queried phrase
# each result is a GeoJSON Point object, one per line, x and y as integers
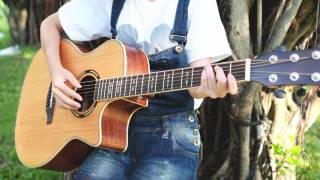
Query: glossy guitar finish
{"type": "Point", "coordinates": [63, 144]}
{"type": "Point", "coordinates": [115, 81]}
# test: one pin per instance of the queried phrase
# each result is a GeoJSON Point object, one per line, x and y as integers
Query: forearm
{"type": "Point", "coordinates": [50, 41]}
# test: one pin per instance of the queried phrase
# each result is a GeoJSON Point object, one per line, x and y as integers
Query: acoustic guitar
{"type": "Point", "coordinates": [116, 81]}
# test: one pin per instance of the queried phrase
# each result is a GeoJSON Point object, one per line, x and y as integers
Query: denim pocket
{"type": "Point", "coordinates": [186, 137]}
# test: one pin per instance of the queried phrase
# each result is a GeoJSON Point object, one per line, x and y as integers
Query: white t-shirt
{"type": "Point", "coordinates": [146, 25]}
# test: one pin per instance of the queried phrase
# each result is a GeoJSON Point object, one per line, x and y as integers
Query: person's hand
{"type": "Point", "coordinates": [63, 94]}
{"type": "Point", "coordinates": [215, 84]}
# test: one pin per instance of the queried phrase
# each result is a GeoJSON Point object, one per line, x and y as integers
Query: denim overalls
{"type": "Point", "coordinates": [164, 139]}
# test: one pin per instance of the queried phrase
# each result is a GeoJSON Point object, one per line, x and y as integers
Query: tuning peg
{"type": "Point", "coordinates": [280, 49]}
{"type": "Point", "coordinates": [301, 92]}
{"type": "Point", "coordinates": [279, 93]}
{"type": "Point", "coordinates": [318, 94]}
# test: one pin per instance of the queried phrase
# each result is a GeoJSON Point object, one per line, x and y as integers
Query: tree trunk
{"type": "Point", "coordinates": [242, 128]}
{"type": "Point", "coordinates": [24, 21]}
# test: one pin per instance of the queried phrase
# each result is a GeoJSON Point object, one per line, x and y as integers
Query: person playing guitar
{"type": "Point", "coordinates": [164, 138]}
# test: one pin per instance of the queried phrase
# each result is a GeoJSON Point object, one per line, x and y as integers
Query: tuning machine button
{"type": "Point", "coordinates": [315, 54]}
{"type": "Point", "coordinates": [294, 58]}
{"type": "Point", "coordinates": [273, 78]}
{"type": "Point", "coordinates": [315, 77]}
{"type": "Point", "coordinates": [273, 59]}
{"type": "Point", "coordinates": [294, 76]}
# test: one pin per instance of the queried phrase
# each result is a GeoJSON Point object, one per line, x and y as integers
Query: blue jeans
{"type": "Point", "coordinates": [160, 148]}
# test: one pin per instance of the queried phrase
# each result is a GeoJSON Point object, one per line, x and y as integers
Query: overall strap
{"type": "Point", "coordinates": [116, 10]}
{"type": "Point", "coordinates": [179, 31]}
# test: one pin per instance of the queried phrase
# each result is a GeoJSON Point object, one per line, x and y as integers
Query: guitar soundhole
{"type": "Point", "coordinates": [88, 82]}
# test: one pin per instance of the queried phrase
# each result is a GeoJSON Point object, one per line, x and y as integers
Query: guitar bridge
{"type": "Point", "coordinates": [50, 103]}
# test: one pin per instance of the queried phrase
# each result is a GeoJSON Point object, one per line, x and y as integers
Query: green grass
{"type": "Point", "coordinates": [12, 71]}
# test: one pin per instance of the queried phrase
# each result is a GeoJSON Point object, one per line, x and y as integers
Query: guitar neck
{"type": "Point", "coordinates": [163, 81]}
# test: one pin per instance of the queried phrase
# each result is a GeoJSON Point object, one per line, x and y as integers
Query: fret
{"type": "Point", "coordinates": [172, 80]}
{"type": "Point", "coordinates": [130, 86]}
{"type": "Point", "coordinates": [126, 88]}
{"type": "Point", "coordinates": [109, 92]}
{"type": "Point", "coordinates": [142, 84]}
{"type": "Point", "coordinates": [105, 92]}
{"type": "Point", "coordinates": [133, 85]}
{"type": "Point", "coordinates": [230, 67]}
{"type": "Point", "coordinates": [197, 72]}
{"type": "Point", "coordinates": [160, 81]}
{"type": "Point", "coordinates": [139, 84]}
{"type": "Point", "coordinates": [177, 79]}
{"type": "Point", "coordinates": [145, 84]}
{"type": "Point", "coordinates": [122, 90]}
{"type": "Point", "coordinates": [181, 82]}
{"type": "Point", "coordinates": [186, 78]}
{"type": "Point", "coordinates": [112, 88]}
{"type": "Point", "coordinates": [148, 82]}
{"type": "Point", "coordinates": [99, 90]}
{"type": "Point", "coordinates": [152, 82]}
{"type": "Point", "coordinates": [117, 90]}
{"type": "Point", "coordinates": [164, 79]}
{"type": "Point", "coordinates": [155, 83]}
{"type": "Point", "coordinates": [104, 89]}
{"type": "Point", "coordinates": [168, 80]}
{"type": "Point", "coordinates": [96, 90]}
{"type": "Point", "coordinates": [192, 77]}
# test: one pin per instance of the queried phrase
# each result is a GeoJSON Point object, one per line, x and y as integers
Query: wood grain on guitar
{"type": "Point", "coordinates": [116, 82]}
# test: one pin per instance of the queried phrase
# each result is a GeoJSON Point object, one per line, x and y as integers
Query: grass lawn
{"type": "Point", "coordinates": [12, 71]}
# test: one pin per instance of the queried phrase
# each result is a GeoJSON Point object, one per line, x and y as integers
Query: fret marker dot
{"type": "Point", "coordinates": [294, 76]}
{"type": "Point", "coordinates": [315, 77]}
{"type": "Point", "coordinates": [273, 78]}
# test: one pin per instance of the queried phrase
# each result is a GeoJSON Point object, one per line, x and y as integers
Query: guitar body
{"type": "Point", "coordinates": [64, 142]}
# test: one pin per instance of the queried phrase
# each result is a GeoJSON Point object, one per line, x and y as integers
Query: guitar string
{"type": "Point", "coordinates": [145, 91]}
{"type": "Point", "coordinates": [253, 64]}
{"type": "Point", "coordinates": [234, 71]}
{"type": "Point", "coordinates": [176, 80]}
{"type": "Point", "coordinates": [115, 96]}
{"type": "Point", "coordinates": [233, 68]}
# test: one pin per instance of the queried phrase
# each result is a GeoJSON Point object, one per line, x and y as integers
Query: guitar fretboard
{"type": "Point", "coordinates": [161, 81]}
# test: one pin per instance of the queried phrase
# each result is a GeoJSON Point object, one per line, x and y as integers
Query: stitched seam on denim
{"type": "Point", "coordinates": [148, 130]}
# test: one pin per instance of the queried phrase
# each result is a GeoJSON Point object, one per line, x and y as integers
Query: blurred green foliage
{"type": "Point", "coordinates": [312, 154]}
{"type": "Point", "coordinates": [4, 28]}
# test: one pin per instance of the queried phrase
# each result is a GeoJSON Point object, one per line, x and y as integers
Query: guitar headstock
{"type": "Point", "coordinates": [287, 68]}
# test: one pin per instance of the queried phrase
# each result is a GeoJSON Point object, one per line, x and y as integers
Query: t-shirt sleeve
{"type": "Point", "coordinates": [206, 36]}
{"type": "Point", "coordinates": [84, 20]}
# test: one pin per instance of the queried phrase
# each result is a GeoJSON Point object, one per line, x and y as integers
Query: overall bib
{"type": "Point", "coordinates": [164, 139]}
